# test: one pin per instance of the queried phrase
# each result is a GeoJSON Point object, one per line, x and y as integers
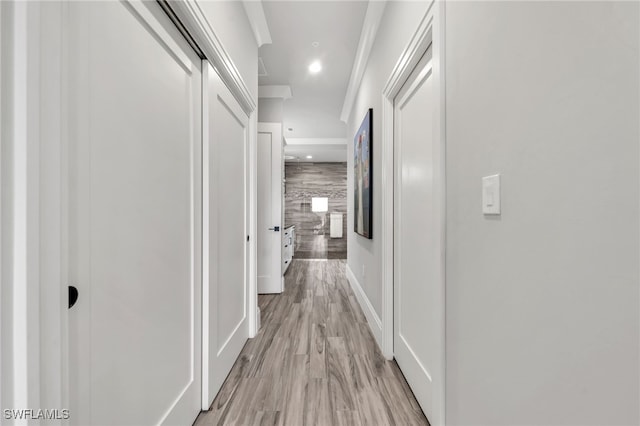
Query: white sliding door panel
{"type": "Point", "coordinates": [226, 224]}
{"type": "Point", "coordinates": [270, 211]}
{"type": "Point", "coordinates": [231, 307]}
{"type": "Point", "coordinates": [417, 236]}
{"type": "Point", "coordinates": [134, 124]}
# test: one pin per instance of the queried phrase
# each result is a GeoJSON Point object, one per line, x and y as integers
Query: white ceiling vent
{"type": "Point", "coordinates": [262, 71]}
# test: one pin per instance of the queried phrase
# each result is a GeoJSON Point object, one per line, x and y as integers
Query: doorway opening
{"type": "Point", "coordinates": [315, 203]}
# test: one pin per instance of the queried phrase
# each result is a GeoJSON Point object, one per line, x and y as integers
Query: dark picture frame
{"type": "Point", "coordinates": [363, 177]}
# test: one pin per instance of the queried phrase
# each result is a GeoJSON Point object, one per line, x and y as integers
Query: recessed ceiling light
{"type": "Point", "coordinates": [290, 129]}
{"type": "Point", "coordinates": [315, 44]}
{"type": "Point", "coordinates": [309, 157]}
{"type": "Point", "coordinates": [315, 67]}
{"type": "Point", "coordinates": [290, 157]}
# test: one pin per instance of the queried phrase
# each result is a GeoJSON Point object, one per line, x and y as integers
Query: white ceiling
{"type": "Point", "coordinates": [315, 107]}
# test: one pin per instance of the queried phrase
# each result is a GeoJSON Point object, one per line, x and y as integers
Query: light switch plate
{"type": "Point", "coordinates": [491, 194]}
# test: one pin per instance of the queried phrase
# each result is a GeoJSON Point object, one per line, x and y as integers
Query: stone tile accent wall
{"type": "Point", "coordinates": [303, 182]}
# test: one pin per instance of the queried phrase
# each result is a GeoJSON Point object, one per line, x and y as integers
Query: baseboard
{"type": "Point", "coordinates": [258, 319]}
{"type": "Point", "coordinates": [372, 317]}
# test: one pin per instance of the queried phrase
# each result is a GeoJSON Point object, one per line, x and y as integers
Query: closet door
{"type": "Point", "coordinates": [226, 231]}
{"type": "Point", "coordinates": [418, 236]}
{"type": "Point", "coordinates": [134, 135]}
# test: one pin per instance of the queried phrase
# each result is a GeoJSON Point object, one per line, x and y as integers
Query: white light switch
{"type": "Point", "coordinates": [491, 194]}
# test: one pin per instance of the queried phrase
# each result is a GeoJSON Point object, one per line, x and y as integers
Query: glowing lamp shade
{"type": "Point", "coordinates": [319, 204]}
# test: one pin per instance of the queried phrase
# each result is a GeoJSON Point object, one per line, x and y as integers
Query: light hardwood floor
{"type": "Point", "coordinates": [314, 361]}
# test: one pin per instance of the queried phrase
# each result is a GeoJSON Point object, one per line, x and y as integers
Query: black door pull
{"type": "Point", "coordinates": [73, 296]}
{"type": "Point", "coordinates": [275, 228]}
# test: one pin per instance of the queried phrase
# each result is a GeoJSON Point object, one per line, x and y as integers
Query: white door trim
{"type": "Point", "coordinates": [430, 32]}
{"type": "Point", "coordinates": [254, 319]}
{"type": "Point", "coordinates": [32, 336]}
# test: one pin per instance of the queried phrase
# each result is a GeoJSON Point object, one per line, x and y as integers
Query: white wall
{"type": "Point", "coordinates": [231, 25]}
{"type": "Point", "coordinates": [542, 304]}
{"type": "Point", "coordinates": [270, 110]}
{"type": "Point", "coordinates": [399, 20]}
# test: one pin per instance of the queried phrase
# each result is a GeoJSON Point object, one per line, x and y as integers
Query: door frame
{"type": "Point", "coordinates": [32, 253]}
{"type": "Point", "coordinates": [33, 336]}
{"type": "Point", "coordinates": [430, 32]}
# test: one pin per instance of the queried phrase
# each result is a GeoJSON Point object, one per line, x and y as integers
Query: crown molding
{"type": "Point", "coordinates": [196, 23]}
{"type": "Point", "coordinates": [372, 19]}
{"type": "Point", "coordinates": [258, 21]}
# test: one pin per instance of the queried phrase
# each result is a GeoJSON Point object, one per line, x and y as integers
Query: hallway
{"type": "Point", "coordinates": [314, 361]}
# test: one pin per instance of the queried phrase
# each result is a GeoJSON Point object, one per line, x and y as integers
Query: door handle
{"type": "Point", "coordinates": [275, 228]}
{"type": "Point", "coordinates": [73, 296]}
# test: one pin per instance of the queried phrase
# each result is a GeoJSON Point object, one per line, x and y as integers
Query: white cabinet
{"type": "Point", "coordinates": [288, 241]}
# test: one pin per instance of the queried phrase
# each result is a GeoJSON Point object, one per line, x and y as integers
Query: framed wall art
{"type": "Point", "coordinates": [362, 188]}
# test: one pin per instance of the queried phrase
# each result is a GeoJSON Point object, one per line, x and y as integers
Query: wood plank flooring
{"type": "Point", "coordinates": [314, 362]}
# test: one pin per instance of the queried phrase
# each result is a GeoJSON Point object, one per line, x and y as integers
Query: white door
{"type": "Point", "coordinates": [226, 232]}
{"type": "Point", "coordinates": [418, 268]}
{"type": "Point", "coordinates": [270, 211]}
{"type": "Point", "coordinates": [133, 110]}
